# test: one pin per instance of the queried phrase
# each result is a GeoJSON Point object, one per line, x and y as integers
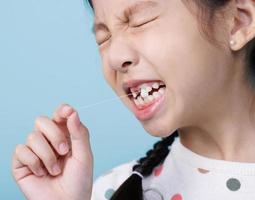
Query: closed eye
{"type": "Point", "coordinates": [104, 40]}
{"type": "Point", "coordinates": [136, 25]}
{"type": "Point", "coordinates": [143, 23]}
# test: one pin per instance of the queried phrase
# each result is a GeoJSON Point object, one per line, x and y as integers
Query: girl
{"type": "Point", "coordinates": [187, 67]}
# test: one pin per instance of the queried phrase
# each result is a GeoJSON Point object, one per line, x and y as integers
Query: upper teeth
{"type": "Point", "coordinates": [134, 94]}
{"type": "Point", "coordinates": [148, 89]}
{"type": "Point", "coordinates": [155, 85]}
{"type": "Point", "coordinates": [145, 99]}
{"type": "Point", "coordinates": [144, 92]}
{"type": "Point", "coordinates": [145, 89]}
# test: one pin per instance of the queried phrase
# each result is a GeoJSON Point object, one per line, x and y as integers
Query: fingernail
{"type": "Point", "coordinates": [67, 110]}
{"type": "Point", "coordinates": [63, 148]}
{"type": "Point", "coordinates": [56, 169]}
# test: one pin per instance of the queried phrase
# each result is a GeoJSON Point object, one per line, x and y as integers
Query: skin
{"type": "Point", "coordinates": [208, 99]}
{"type": "Point", "coordinates": [74, 180]}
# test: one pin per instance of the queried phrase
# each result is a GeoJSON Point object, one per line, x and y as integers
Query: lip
{"type": "Point", "coordinates": [149, 111]}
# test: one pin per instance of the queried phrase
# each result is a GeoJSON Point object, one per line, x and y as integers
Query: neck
{"type": "Point", "coordinates": [227, 131]}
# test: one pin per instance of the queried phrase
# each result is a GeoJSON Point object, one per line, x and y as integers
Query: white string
{"type": "Point", "coordinates": [104, 101]}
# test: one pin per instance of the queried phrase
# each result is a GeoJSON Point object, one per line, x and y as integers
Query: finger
{"type": "Point", "coordinates": [81, 149]}
{"type": "Point", "coordinates": [19, 172]}
{"type": "Point", "coordinates": [40, 146]}
{"type": "Point", "coordinates": [25, 160]}
{"type": "Point", "coordinates": [62, 112]}
{"type": "Point", "coordinates": [53, 134]}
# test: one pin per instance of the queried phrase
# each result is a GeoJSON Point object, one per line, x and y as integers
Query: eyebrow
{"type": "Point", "coordinates": [129, 11]}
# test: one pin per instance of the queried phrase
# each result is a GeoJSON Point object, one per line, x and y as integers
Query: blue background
{"type": "Point", "coordinates": [48, 56]}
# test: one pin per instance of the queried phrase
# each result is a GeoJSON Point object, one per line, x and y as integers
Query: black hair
{"type": "Point", "coordinates": [90, 3]}
{"type": "Point", "coordinates": [132, 189]}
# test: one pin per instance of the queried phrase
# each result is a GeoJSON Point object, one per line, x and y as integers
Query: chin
{"type": "Point", "coordinates": [159, 128]}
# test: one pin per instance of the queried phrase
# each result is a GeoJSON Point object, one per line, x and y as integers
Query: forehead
{"type": "Point", "coordinates": [104, 8]}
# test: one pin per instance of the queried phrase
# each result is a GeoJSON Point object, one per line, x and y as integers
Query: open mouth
{"type": "Point", "coordinates": [145, 94]}
{"type": "Point", "coordinates": [147, 97]}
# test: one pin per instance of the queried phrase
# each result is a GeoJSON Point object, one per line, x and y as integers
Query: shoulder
{"type": "Point", "coordinates": [105, 185]}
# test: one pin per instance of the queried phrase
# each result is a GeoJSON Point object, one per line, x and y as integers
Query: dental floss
{"type": "Point", "coordinates": [104, 101]}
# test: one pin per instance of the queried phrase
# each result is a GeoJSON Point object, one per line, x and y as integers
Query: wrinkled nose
{"type": "Point", "coordinates": [121, 56]}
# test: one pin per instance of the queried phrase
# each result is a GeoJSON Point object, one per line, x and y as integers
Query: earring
{"type": "Point", "coordinates": [232, 42]}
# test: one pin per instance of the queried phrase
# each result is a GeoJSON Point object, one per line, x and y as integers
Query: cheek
{"type": "Point", "coordinates": [182, 57]}
{"type": "Point", "coordinates": [112, 78]}
{"type": "Point", "coordinates": [171, 55]}
{"type": "Point", "coordinates": [109, 76]}
{"type": "Point", "coordinates": [193, 69]}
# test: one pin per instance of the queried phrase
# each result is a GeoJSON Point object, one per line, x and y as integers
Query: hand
{"type": "Point", "coordinates": [45, 169]}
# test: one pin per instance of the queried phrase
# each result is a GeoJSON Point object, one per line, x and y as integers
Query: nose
{"type": "Point", "coordinates": [121, 56]}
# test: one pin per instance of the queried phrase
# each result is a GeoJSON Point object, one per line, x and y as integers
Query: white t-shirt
{"type": "Point", "coordinates": [185, 175]}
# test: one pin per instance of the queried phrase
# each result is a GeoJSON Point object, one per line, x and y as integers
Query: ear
{"type": "Point", "coordinates": [243, 29]}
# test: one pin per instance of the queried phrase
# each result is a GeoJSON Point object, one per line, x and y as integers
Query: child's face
{"type": "Point", "coordinates": [169, 48]}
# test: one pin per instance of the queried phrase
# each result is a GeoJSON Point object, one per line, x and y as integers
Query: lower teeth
{"type": "Point", "coordinates": [143, 101]}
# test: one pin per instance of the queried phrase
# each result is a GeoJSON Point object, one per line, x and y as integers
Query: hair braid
{"type": "Point", "coordinates": [154, 156]}
{"type": "Point", "coordinates": [132, 187]}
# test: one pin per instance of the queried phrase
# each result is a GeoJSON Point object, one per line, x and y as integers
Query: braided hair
{"type": "Point", "coordinates": [132, 189]}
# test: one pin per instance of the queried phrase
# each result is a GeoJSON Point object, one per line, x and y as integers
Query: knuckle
{"type": "Point", "coordinates": [35, 135]}
{"type": "Point", "coordinates": [39, 119]}
{"type": "Point", "coordinates": [31, 137]}
{"type": "Point", "coordinates": [19, 148]}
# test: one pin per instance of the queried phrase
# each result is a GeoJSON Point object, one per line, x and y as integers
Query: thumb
{"type": "Point", "coordinates": [79, 135]}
